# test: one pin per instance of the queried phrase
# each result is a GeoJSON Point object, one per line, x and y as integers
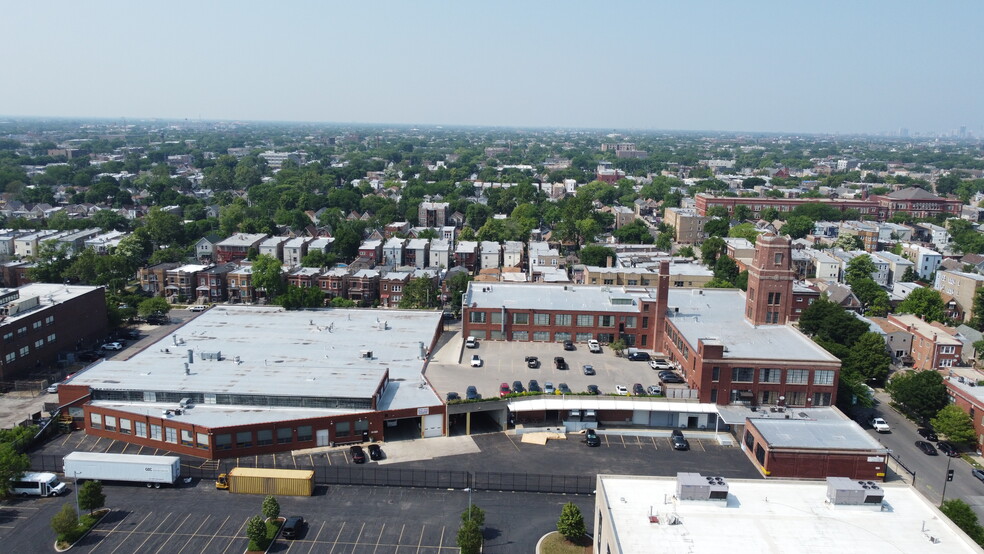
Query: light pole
{"type": "Point", "coordinates": [469, 503]}
{"type": "Point", "coordinates": [78, 511]}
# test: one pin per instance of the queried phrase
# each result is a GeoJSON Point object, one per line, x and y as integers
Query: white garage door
{"type": "Point", "coordinates": [433, 425]}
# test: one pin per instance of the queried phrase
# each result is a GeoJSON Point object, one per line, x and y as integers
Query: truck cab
{"type": "Point", "coordinates": [222, 482]}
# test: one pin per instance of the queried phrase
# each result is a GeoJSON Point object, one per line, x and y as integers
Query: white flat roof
{"type": "Point", "coordinates": [553, 297]}
{"type": "Point", "coordinates": [291, 353]}
{"type": "Point", "coordinates": [773, 516]}
{"type": "Point", "coordinates": [215, 415]}
{"type": "Point", "coordinates": [824, 435]}
{"type": "Point", "coordinates": [580, 402]}
{"type": "Point", "coordinates": [719, 314]}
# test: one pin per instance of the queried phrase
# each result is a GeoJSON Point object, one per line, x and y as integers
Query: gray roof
{"type": "Point", "coordinates": [243, 239]}
{"type": "Point", "coordinates": [912, 193]}
{"type": "Point", "coordinates": [553, 297]}
{"type": "Point", "coordinates": [823, 435]}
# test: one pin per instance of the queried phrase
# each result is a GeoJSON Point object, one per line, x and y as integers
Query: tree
{"type": "Point", "coordinates": [772, 214]}
{"type": "Point", "coordinates": [13, 464]}
{"type": "Point", "coordinates": [686, 252]}
{"type": "Point", "coordinates": [746, 231]}
{"type": "Point", "coordinates": [922, 393]}
{"type": "Point", "coordinates": [711, 249]}
{"type": "Point", "coordinates": [849, 243]}
{"type": "Point", "coordinates": [963, 516]}
{"type": "Point", "coordinates": [301, 297]}
{"type": "Point", "coordinates": [827, 322]}
{"type": "Point", "coordinates": [155, 305]}
{"type": "Point", "coordinates": [256, 533]}
{"type": "Point", "coordinates": [618, 345]}
{"type": "Point", "coordinates": [474, 513]}
{"type": "Point", "coordinates": [925, 303]}
{"type": "Point", "coordinates": [420, 293]}
{"type": "Point", "coordinates": [909, 275]}
{"type": "Point", "coordinates": [50, 262]}
{"type": "Point", "coordinates": [977, 309]}
{"type": "Point", "coordinates": [868, 358]}
{"type": "Point", "coordinates": [469, 537]}
{"type": "Point", "coordinates": [65, 523]}
{"type": "Point", "coordinates": [268, 275]}
{"type": "Point", "coordinates": [271, 508]}
{"type": "Point", "coordinates": [91, 496]}
{"type": "Point", "coordinates": [596, 255]}
{"type": "Point", "coordinates": [726, 269]}
{"type": "Point", "coordinates": [953, 422]}
{"type": "Point", "coordinates": [456, 286]}
{"type": "Point", "coordinates": [742, 212]}
{"type": "Point", "coordinates": [571, 522]}
{"type": "Point", "coordinates": [859, 267]}
{"type": "Point", "coordinates": [797, 226]}
{"type": "Point", "coordinates": [717, 228]}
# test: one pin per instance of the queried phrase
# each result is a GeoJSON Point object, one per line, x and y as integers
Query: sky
{"type": "Point", "coordinates": [869, 66]}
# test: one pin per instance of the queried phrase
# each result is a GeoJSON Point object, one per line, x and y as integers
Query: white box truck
{"type": "Point", "coordinates": [154, 471]}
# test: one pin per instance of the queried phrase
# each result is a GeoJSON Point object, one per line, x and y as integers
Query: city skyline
{"type": "Point", "coordinates": [876, 68]}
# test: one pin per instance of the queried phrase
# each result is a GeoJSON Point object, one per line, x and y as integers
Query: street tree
{"type": "Point", "coordinates": [420, 293]}
{"type": "Point", "coordinates": [571, 522]}
{"type": "Point", "coordinates": [868, 358]}
{"type": "Point", "coordinates": [271, 508]}
{"type": "Point", "coordinates": [596, 255]}
{"type": "Point", "coordinates": [925, 303]}
{"type": "Point", "coordinates": [712, 248]}
{"type": "Point", "coordinates": [469, 538]}
{"type": "Point", "coordinates": [953, 422]}
{"type": "Point", "coordinates": [268, 275]}
{"type": "Point", "coordinates": [717, 227]}
{"type": "Point", "coordinates": [963, 516]}
{"type": "Point", "coordinates": [155, 305]}
{"type": "Point", "coordinates": [65, 523]}
{"type": "Point", "coordinates": [922, 393]}
{"type": "Point", "coordinates": [91, 496]}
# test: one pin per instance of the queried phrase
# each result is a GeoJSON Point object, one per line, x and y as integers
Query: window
{"type": "Point", "coordinates": [823, 377]}
{"type": "Point", "coordinates": [561, 337]}
{"type": "Point", "coordinates": [264, 437]}
{"type": "Point", "coordinates": [171, 435]}
{"type": "Point", "coordinates": [495, 318]}
{"type": "Point", "coordinates": [541, 336]}
{"type": "Point", "coordinates": [8, 336]}
{"type": "Point", "coordinates": [742, 374]}
{"type": "Point", "coordinates": [476, 317]}
{"type": "Point", "coordinates": [9, 357]}
{"type": "Point", "coordinates": [645, 322]}
{"type": "Point", "coordinates": [797, 376]}
{"type": "Point", "coordinates": [95, 421]}
{"type": "Point", "coordinates": [187, 438]}
{"type": "Point", "coordinates": [760, 454]}
{"type": "Point", "coordinates": [155, 432]}
{"type": "Point", "coordinates": [796, 398]}
{"type": "Point", "coordinates": [774, 298]}
{"type": "Point", "coordinates": [521, 319]}
{"type": "Point", "coordinates": [585, 320]}
{"type": "Point", "coordinates": [541, 319]}
{"type": "Point", "coordinates": [126, 426]}
{"type": "Point", "coordinates": [50, 320]}
{"type": "Point", "coordinates": [39, 343]}
{"type": "Point", "coordinates": [946, 363]}
{"type": "Point", "coordinates": [521, 336]}
{"type": "Point", "coordinates": [110, 423]}
{"type": "Point", "coordinates": [714, 395]}
{"type": "Point", "coordinates": [678, 284]}
{"type": "Point", "coordinates": [715, 374]}
{"type": "Point", "coordinates": [582, 337]}
{"type": "Point", "coordinates": [304, 433]}
{"type": "Point", "coordinates": [244, 439]}
{"type": "Point", "coordinates": [51, 338]}
{"type": "Point", "coordinates": [36, 325]}
{"type": "Point", "coordinates": [343, 429]}
{"type": "Point", "coordinates": [24, 351]}
{"type": "Point", "coordinates": [630, 322]}
{"type": "Point", "coordinates": [141, 429]}
{"type": "Point", "coordinates": [202, 440]}
{"type": "Point", "coordinates": [947, 349]}
{"type": "Point", "coordinates": [223, 442]}
{"type": "Point", "coordinates": [821, 399]}
{"type": "Point", "coordinates": [606, 321]}
{"type": "Point", "coordinates": [361, 426]}
{"type": "Point", "coordinates": [21, 330]}
{"type": "Point", "coordinates": [562, 319]}
{"type": "Point", "coordinates": [770, 375]}
{"type": "Point", "coordinates": [284, 435]}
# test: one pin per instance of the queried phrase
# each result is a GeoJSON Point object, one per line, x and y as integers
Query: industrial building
{"type": "Point", "coordinates": [239, 381]}
{"type": "Point", "coordinates": [708, 514]}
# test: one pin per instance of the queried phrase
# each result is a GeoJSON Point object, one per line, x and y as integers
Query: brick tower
{"type": "Point", "coordinates": [770, 281]}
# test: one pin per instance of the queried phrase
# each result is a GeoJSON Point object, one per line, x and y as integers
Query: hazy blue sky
{"type": "Point", "coordinates": [831, 66]}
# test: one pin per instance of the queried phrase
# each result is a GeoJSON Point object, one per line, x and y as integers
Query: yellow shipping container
{"type": "Point", "coordinates": [278, 482]}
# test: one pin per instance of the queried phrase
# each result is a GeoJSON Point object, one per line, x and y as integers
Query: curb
{"type": "Point", "coordinates": [108, 511]}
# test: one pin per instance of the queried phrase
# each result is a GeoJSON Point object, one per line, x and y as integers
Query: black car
{"type": "Point", "coordinates": [927, 434]}
{"type": "Point", "coordinates": [589, 370]}
{"type": "Point", "coordinates": [638, 389]}
{"type": "Point", "coordinates": [560, 362]}
{"type": "Point", "coordinates": [674, 378]}
{"type": "Point", "coordinates": [158, 319]}
{"type": "Point", "coordinates": [89, 356]}
{"type": "Point", "coordinates": [534, 386]}
{"type": "Point", "coordinates": [293, 527]}
{"type": "Point", "coordinates": [564, 389]}
{"type": "Point", "coordinates": [452, 396]}
{"type": "Point", "coordinates": [948, 449]}
{"type": "Point", "coordinates": [518, 387]}
{"type": "Point", "coordinates": [568, 345]}
{"type": "Point", "coordinates": [375, 452]}
{"type": "Point", "coordinates": [679, 441]}
{"type": "Point", "coordinates": [926, 448]}
{"type": "Point", "coordinates": [358, 455]}
{"type": "Point", "coordinates": [132, 334]}
{"type": "Point", "coordinates": [593, 389]}
{"type": "Point", "coordinates": [639, 356]}
{"type": "Point", "coordinates": [471, 393]}
{"type": "Point", "coordinates": [591, 438]}
{"type": "Point", "coordinates": [532, 362]}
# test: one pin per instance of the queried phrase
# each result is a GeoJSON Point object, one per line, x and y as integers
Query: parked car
{"type": "Point", "coordinates": [560, 362]}
{"type": "Point", "coordinates": [358, 455]}
{"type": "Point", "coordinates": [132, 334]}
{"type": "Point", "coordinates": [564, 389]}
{"type": "Point", "coordinates": [532, 362]}
{"type": "Point", "coordinates": [88, 355]}
{"type": "Point", "coordinates": [292, 527]}
{"type": "Point", "coordinates": [594, 346]}
{"type": "Point", "coordinates": [158, 319]}
{"type": "Point", "coordinates": [518, 387]}
{"type": "Point", "coordinates": [112, 346]}
{"type": "Point", "coordinates": [979, 473]}
{"type": "Point", "coordinates": [504, 389]}
{"type": "Point", "coordinates": [588, 370]}
{"type": "Point", "coordinates": [621, 390]}
{"type": "Point", "coordinates": [671, 378]}
{"type": "Point", "coordinates": [548, 388]}
{"type": "Point", "coordinates": [880, 425]}
{"type": "Point", "coordinates": [471, 342]}
{"type": "Point", "coordinates": [53, 388]}
{"type": "Point", "coordinates": [654, 390]}
{"type": "Point", "coordinates": [591, 438]}
{"type": "Point", "coordinates": [593, 389]}
{"type": "Point", "coordinates": [375, 452]}
{"type": "Point", "coordinates": [679, 441]}
{"type": "Point", "coordinates": [197, 308]}
{"type": "Point", "coordinates": [638, 389]}
{"type": "Point", "coordinates": [659, 363]}
{"type": "Point", "coordinates": [476, 360]}
{"type": "Point", "coordinates": [471, 393]}
{"type": "Point", "coordinates": [568, 345]}
{"type": "Point", "coordinates": [948, 449]}
{"type": "Point", "coordinates": [927, 434]}
{"type": "Point", "coordinates": [927, 448]}
{"type": "Point", "coordinates": [533, 386]}
{"type": "Point", "coordinates": [639, 356]}
{"type": "Point", "coordinates": [452, 396]}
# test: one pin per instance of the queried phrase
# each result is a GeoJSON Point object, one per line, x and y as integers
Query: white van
{"type": "Point", "coordinates": [37, 484]}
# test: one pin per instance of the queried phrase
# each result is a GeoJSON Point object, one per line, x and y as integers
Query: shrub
{"type": "Point", "coordinates": [91, 496]}
{"type": "Point", "coordinates": [469, 537]}
{"type": "Point", "coordinates": [256, 533]}
{"type": "Point", "coordinates": [571, 522]}
{"type": "Point", "coordinates": [271, 508]}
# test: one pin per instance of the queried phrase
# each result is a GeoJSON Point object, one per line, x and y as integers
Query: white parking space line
{"type": "Point", "coordinates": [338, 536]}
{"type": "Point", "coordinates": [379, 538]}
{"type": "Point", "coordinates": [238, 534]}
{"type": "Point", "coordinates": [217, 529]}
{"type": "Point", "coordinates": [180, 525]}
{"type": "Point", "coordinates": [318, 536]}
{"type": "Point", "coordinates": [195, 534]}
{"type": "Point", "coordinates": [154, 532]}
{"type": "Point", "coordinates": [131, 532]}
{"type": "Point", "coordinates": [399, 541]}
{"type": "Point", "coordinates": [420, 541]}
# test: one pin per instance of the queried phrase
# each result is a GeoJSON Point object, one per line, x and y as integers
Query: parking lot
{"type": "Point", "coordinates": [504, 362]}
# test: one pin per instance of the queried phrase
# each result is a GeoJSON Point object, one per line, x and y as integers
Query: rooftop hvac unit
{"type": "Point", "coordinates": [367, 354]}
{"type": "Point", "coordinates": [842, 491]}
{"type": "Point", "coordinates": [211, 356]}
{"type": "Point", "coordinates": [694, 486]}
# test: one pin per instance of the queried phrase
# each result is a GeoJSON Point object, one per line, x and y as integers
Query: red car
{"type": "Point", "coordinates": [504, 389]}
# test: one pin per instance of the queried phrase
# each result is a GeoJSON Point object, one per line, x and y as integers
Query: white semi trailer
{"type": "Point", "coordinates": [154, 471]}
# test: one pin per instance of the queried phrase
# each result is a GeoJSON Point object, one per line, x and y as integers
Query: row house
{"type": "Point", "coordinates": [396, 228]}
{"type": "Point", "coordinates": [688, 225]}
{"type": "Point", "coordinates": [393, 251]}
{"type": "Point", "coordinates": [926, 260]}
{"type": "Point", "coordinates": [320, 244]}
{"type": "Point", "coordinates": [153, 279]}
{"type": "Point", "coordinates": [891, 233]}
{"type": "Point", "coordinates": [238, 246]}
{"type": "Point", "coordinates": [213, 283]}
{"type": "Point", "coordinates": [76, 241]}
{"type": "Point", "coordinates": [363, 286]}
{"type": "Point", "coordinates": [897, 265]}
{"type": "Point", "coordinates": [962, 288]}
{"type": "Point", "coordinates": [417, 253]}
{"type": "Point", "coordinates": [7, 237]}
{"type": "Point", "coordinates": [304, 277]}
{"type": "Point", "coordinates": [433, 214]}
{"type": "Point", "coordinates": [182, 282]}
{"type": "Point", "coordinates": [933, 234]}
{"type": "Point", "coordinates": [391, 287]}
{"type": "Point", "coordinates": [334, 282]}
{"type": "Point", "coordinates": [205, 247]}
{"type": "Point", "coordinates": [294, 251]}
{"type": "Point", "coordinates": [15, 274]}
{"type": "Point", "coordinates": [934, 346]}
{"type": "Point", "coordinates": [882, 268]}
{"type": "Point", "coordinates": [440, 253]}
{"type": "Point", "coordinates": [26, 246]}
{"type": "Point", "coordinates": [105, 242]}
{"type": "Point", "coordinates": [466, 255]}
{"type": "Point", "coordinates": [898, 340]}
{"type": "Point", "coordinates": [512, 254]}
{"type": "Point", "coordinates": [273, 247]}
{"type": "Point", "coordinates": [371, 250]}
{"type": "Point", "coordinates": [491, 254]}
{"type": "Point", "coordinates": [239, 284]}
{"type": "Point", "coordinates": [867, 231]}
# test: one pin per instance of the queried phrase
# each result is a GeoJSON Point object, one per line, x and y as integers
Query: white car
{"type": "Point", "coordinates": [471, 342]}
{"type": "Point", "coordinates": [654, 390]}
{"type": "Point", "coordinates": [621, 390]}
{"type": "Point", "coordinates": [53, 388]}
{"type": "Point", "coordinates": [197, 308]}
{"type": "Point", "coordinates": [112, 346]}
{"type": "Point", "coordinates": [880, 425]}
{"type": "Point", "coordinates": [594, 346]}
{"type": "Point", "coordinates": [659, 363]}
{"type": "Point", "coordinates": [476, 361]}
